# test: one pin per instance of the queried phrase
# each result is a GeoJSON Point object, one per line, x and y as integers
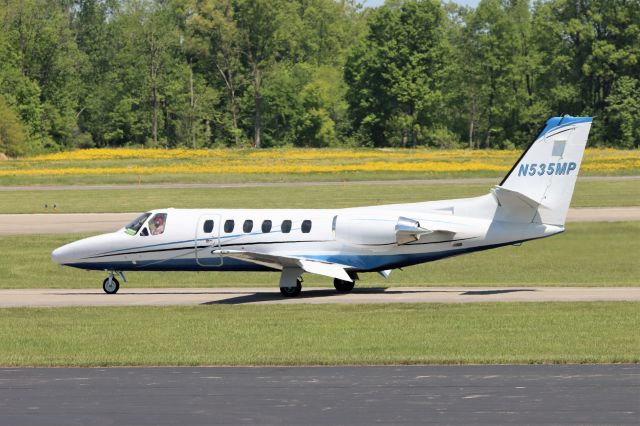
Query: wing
{"type": "Point", "coordinates": [329, 269]}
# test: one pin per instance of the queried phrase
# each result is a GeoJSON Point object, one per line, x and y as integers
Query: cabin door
{"type": "Point", "coordinates": [208, 240]}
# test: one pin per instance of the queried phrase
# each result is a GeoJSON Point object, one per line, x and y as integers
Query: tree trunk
{"type": "Point", "coordinates": [192, 104]}
{"type": "Point", "coordinates": [227, 76]}
{"type": "Point", "coordinates": [154, 88]}
{"type": "Point", "coordinates": [257, 100]}
{"type": "Point", "coordinates": [414, 135]}
{"type": "Point", "coordinates": [472, 119]}
{"type": "Point", "coordinates": [154, 116]}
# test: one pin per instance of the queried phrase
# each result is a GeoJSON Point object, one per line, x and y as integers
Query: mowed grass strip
{"type": "Point", "coordinates": [587, 254]}
{"type": "Point", "coordinates": [587, 194]}
{"type": "Point", "coordinates": [595, 332]}
{"type": "Point", "coordinates": [123, 178]}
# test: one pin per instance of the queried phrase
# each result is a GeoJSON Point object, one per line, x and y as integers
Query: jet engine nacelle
{"type": "Point", "coordinates": [373, 230]}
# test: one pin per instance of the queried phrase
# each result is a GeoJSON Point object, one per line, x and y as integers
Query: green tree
{"type": "Point", "coordinates": [12, 135]}
{"type": "Point", "coordinates": [214, 45]}
{"type": "Point", "coordinates": [394, 75]}
{"type": "Point", "coordinates": [623, 111]}
{"type": "Point", "coordinates": [588, 46]}
{"type": "Point", "coordinates": [46, 54]}
{"type": "Point", "coordinates": [263, 37]}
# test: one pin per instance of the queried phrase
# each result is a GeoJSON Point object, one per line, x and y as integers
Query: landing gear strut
{"type": "Point", "coordinates": [111, 285]}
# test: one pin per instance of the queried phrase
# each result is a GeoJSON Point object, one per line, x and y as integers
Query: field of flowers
{"type": "Point", "coordinates": [433, 163]}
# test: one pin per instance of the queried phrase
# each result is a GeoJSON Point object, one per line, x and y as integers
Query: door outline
{"type": "Point", "coordinates": [212, 243]}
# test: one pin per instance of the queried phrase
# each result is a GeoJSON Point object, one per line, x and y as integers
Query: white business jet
{"type": "Point", "coordinates": [531, 202]}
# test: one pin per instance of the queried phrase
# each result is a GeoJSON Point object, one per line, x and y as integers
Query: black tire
{"type": "Point", "coordinates": [343, 286]}
{"type": "Point", "coordinates": [110, 289]}
{"type": "Point", "coordinates": [292, 291]}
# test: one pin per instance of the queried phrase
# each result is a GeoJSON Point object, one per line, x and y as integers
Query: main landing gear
{"type": "Point", "coordinates": [292, 291]}
{"type": "Point", "coordinates": [343, 286]}
{"type": "Point", "coordinates": [111, 285]}
{"type": "Point", "coordinates": [291, 282]}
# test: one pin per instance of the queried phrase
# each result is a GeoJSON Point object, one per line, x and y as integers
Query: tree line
{"type": "Point", "coordinates": [313, 73]}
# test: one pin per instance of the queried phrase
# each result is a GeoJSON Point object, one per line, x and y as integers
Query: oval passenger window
{"type": "Point", "coordinates": [306, 226]}
{"type": "Point", "coordinates": [208, 226]}
{"type": "Point", "coordinates": [266, 226]}
{"type": "Point", "coordinates": [248, 226]}
{"type": "Point", "coordinates": [286, 226]}
{"type": "Point", "coordinates": [229, 225]}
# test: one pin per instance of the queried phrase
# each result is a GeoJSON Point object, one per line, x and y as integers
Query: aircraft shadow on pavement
{"type": "Point", "coordinates": [495, 291]}
{"type": "Point", "coordinates": [327, 293]}
{"type": "Point", "coordinates": [154, 293]}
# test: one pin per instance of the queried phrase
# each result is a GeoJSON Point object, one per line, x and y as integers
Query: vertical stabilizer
{"type": "Point", "coordinates": [546, 172]}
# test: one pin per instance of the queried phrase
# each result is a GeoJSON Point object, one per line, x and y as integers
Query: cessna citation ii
{"type": "Point", "coordinates": [531, 202]}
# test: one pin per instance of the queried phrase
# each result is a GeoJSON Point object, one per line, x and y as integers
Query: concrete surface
{"type": "Point", "coordinates": [203, 296]}
{"type": "Point", "coordinates": [59, 223]}
{"type": "Point", "coordinates": [179, 185]}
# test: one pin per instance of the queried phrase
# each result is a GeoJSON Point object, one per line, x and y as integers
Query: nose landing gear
{"type": "Point", "coordinates": [111, 285]}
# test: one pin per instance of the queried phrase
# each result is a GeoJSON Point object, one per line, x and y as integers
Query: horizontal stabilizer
{"type": "Point", "coordinates": [507, 197]}
{"type": "Point", "coordinates": [515, 206]}
{"type": "Point", "coordinates": [328, 269]}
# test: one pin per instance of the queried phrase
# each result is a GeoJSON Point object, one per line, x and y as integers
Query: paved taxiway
{"type": "Point", "coordinates": [481, 394]}
{"type": "Point", "coordinates": [231, 296]}
{"type": "Point", "coordinates": [59, 223]}
{"type": "Point", "coordinates": [214, 185]}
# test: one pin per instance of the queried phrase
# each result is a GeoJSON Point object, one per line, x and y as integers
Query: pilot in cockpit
{"type": "Point", "coordinates": [156, 224]}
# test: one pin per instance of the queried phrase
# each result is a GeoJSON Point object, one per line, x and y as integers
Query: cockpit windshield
{"type": "Point", "coordinates": [134, 226]}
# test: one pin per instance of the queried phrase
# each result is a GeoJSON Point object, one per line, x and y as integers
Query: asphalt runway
{"type": "Point", "coordinates": [239, 296]}
{"type": "Point", "coordinates": [461, 395]}
{"type": "Point", "coordinates": [60, 223]}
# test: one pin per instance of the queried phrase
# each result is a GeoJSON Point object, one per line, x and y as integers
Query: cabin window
{"type": "Point", "coordinates": [208, 226]}
{"type": "Point", "coordinates": [229, 225]}
{"type": "Point", "coordinates": [306, 226]}
{"type": "Point", "coordinates": [134, 226]}
{"type": "Point", "coordinates": [266, 226]}
{"type": "Point", "coordinates": [286, 226]}
{"type": "Point", "coordinates": [157, 223]}
{"type": "Point", "coordinates": [248, 226]}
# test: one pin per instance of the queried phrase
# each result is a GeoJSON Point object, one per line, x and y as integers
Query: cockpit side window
{"type": "Point", "coordinates": [157, 223]}
{"type": "Point", "coordinates": [134, 226]}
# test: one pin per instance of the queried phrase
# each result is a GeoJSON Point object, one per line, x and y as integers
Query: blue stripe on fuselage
{"type": "Point", "coordinates": [362, 263]}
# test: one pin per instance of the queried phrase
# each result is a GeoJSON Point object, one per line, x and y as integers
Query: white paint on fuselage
{"type": "Point", "coordinates": [473, 221]}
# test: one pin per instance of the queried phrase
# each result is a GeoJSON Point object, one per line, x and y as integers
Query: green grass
{"type": "Point", "coordinates": [587, 194]}
{"type": "Point", "coordinates": [254, 177]}
{"type": "Point", "coordinates": [243, 178]}
{"type": "Point", "coordinates": [587, 254]}
{"type": "Point", "coordinates": [596, 332]}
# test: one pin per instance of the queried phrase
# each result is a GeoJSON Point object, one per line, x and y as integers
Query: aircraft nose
{"type": "Point", "coordinates": [61, 255]}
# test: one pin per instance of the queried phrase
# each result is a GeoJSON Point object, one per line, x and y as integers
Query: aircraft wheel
{"type": "Point", "coordinates": [110, 285]}
{"type": "Point", "coordinates": [292, 291]}
{"type": "Point", "coordinates": [343, 286]}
